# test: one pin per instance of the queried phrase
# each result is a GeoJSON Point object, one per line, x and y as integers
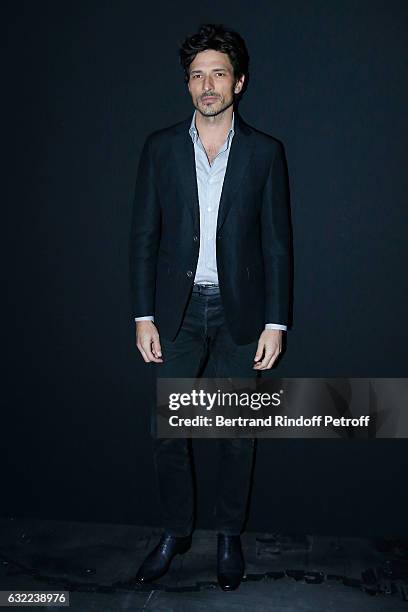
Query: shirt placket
{"type": "Point", "coordinates": [211, 212]}
{"type": "Point", "coordinates": [210, 192]}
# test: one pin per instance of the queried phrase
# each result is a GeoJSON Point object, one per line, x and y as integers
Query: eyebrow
{"type": "Point", "coordinates": [213, 70]}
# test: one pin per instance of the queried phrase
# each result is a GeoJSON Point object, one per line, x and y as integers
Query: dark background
{"type": "Point", "coordinates": [83, 84]}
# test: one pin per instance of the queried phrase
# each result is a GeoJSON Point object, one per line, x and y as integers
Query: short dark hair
{"type": "Point", "coordinates": [219, 38]}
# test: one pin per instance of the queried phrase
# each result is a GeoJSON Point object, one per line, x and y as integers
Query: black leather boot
{"type": "Point", "coordinates": [159, 559]}
{"type": "Point", "coordinates": [230, 561]}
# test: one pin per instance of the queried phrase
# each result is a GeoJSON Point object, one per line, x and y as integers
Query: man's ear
{"type": "Point", "coordinates": [239, 84]}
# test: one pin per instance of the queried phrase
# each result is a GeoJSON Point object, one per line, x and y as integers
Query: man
{"type": "Point", "coordinates": [209, 268]}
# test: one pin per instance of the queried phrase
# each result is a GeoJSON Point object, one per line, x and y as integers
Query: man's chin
{"type": "Point", "coordinates": [210, 110]}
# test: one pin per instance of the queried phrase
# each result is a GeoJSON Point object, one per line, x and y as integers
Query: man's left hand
{"type": "Point", "coordinates": [269, 347]}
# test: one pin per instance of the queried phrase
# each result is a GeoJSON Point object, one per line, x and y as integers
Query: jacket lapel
{"type": "Point", "coordinates": [238, 161]}
{"type": "Point", "coordinates": [185, 159]}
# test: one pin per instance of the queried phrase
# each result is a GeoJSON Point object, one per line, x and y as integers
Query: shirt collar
{"type": "Point", "coordinates": [194, 133]}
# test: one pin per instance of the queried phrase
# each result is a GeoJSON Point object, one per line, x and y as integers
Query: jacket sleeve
{"type": "Point", "coordinates": [276, 239]}
{"type": "Point", "coordinates": [144, 236]}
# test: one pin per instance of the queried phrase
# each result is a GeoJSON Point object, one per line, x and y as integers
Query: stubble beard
{"type": "Point", "coordinates": [211, 110]}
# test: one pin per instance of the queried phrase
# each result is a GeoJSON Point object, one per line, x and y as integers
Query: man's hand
{"type": "Point", "coordinates": [148, 342]}
{"type": "Point", "coordinates": [269, 347]}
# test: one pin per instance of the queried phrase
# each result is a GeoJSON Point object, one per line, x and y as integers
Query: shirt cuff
{"type": "Point", "coordinates": [149, 318]}
{"type": "Point", "coordinates": [276, 326]}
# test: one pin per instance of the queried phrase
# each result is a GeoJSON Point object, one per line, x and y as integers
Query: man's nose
{"type": "Point", "coordinates": [208, 83]}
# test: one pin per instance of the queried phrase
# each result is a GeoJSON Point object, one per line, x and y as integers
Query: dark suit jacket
{"type": "Point", "coordinates": [253, 231]}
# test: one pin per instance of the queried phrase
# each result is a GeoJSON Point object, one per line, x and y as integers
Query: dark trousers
{"type": "Point", "coordinates": [203, 333]}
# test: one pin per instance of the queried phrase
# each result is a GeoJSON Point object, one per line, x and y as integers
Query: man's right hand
{"type": "Point", "coordinates": [148, 342]}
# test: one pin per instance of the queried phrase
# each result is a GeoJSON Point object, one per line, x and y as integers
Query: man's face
{"type": "Point", "coordinates": [211, 83]}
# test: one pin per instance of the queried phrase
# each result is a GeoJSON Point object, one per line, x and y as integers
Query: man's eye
{"type": "Point", "coordinates": [221, 73]}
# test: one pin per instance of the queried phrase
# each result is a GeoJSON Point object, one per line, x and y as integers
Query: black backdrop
{"type": "Point", "coordinates": [83, 83]}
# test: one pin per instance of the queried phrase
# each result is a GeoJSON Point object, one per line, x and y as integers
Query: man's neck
{"type": "Point", "coordinates": [214, 128]}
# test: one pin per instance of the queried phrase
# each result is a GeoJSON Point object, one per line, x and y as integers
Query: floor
{"type": "Point", "coordinates": [284, 572]}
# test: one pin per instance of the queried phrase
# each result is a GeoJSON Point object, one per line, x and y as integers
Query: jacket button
{"type": "Point", "coordinates": [195, 238]}
{"type": "Point", "coordinates": [189, 273]}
